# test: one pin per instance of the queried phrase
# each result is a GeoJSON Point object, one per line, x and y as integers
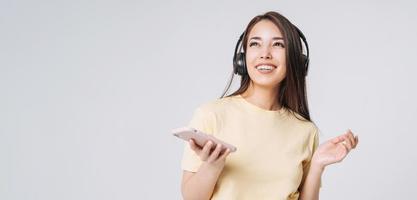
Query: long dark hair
{"type": "Point", "coordinates": [292, 90]}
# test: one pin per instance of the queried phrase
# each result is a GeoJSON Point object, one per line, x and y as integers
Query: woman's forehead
{"type": "Point", "coordinates": [265, 29]}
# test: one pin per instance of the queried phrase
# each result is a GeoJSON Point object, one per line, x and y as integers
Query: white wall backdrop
{"type": "Point", "coordinates": [89, 91]}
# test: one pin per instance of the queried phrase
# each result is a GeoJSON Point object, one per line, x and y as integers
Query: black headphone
{"type": "Point", "coordinates": [239, 59]}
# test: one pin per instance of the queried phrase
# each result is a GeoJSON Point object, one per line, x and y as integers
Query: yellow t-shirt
{"type": "Point", "coordinates": [273, 149]}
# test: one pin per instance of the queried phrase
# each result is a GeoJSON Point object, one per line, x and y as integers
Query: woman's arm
{"type": "Point", "coordinates": [200, 185]}
{"type": "Point", "coordinates": [330, 152]}
{"type": "Point", "coordinates": [311, 187]}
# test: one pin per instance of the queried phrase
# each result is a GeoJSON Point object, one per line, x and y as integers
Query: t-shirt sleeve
{"type": "Point", "coordinates": [314, 143]}
{"type": "Point", "coordinates": [204, 120]}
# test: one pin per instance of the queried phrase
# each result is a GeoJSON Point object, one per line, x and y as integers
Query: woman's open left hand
{"type": "Point", "coordinates": [335, 150]}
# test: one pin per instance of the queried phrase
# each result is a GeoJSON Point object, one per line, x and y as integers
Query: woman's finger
{"type": "Point", "coordinates": [345, 147]}
{"type": "Point", "coordinates": [194, 146]}
{"type": "Point", "coordinates": [351, 138]}
{"type": "Point", "coordinates": [347, 143]}
{"type": "Point", "coordinates": [225, 154]}
{"type": "Point", "coordinates": [206, 150]}
{"type": "Point", "coordinates": [215, 153]}
{"type": "Point", "coordinates": [356, 140]}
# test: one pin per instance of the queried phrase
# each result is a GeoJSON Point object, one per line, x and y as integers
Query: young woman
{"type": "Point", "coordinates": [267, 119]}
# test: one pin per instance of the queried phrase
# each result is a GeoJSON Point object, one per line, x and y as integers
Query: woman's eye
{"type": "Point", "coordinates": [279, 44]}
{"type": "Point", "coordinates": [253, 43]}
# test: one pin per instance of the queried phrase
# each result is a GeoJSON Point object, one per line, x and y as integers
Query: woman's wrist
{"type": "Point", "coordinates": [317, 167]}
{"type": "Point", "coordinates": [212, 169]}
{"type": "Point", "coordinates": [316, 163]}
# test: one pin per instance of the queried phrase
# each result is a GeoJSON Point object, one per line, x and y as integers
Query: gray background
{"type": "Point", "coordinates": [91, 89]}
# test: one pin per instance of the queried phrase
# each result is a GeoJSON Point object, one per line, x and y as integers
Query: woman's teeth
{"type": "Point", "coordinates": [264, 67]}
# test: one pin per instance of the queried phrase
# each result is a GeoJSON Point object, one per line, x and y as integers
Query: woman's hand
{"type": "Point", "coordinates": [212, 158]}
{"type": "Point", "coordinates": [335, 150]}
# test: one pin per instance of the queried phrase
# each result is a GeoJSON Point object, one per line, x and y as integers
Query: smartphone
{"type": "Point", "coordinates": [200, 138]}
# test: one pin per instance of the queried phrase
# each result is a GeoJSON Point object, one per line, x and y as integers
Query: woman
{"type": "Point", "coordinates": [267, 119]}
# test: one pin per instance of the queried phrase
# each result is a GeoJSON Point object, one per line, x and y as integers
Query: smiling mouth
{"type": "Point", "coordinates": [265, 68]}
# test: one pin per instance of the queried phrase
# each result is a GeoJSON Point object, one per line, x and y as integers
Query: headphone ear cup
{"type": "Point", "coordinates": [240, 64]}
{"type": "Point", "coordinates": [304, 61]}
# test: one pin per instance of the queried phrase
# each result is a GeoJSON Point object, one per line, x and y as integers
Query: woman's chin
{"type": "Point", "coordinates": [265, 83]}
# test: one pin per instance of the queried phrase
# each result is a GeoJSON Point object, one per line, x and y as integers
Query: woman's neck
{"type": "Point", "coordinates": [262, 97]}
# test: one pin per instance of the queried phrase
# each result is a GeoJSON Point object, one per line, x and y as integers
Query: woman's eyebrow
{"type": "Point", "coordinates": [277, 38]}
{"type": "Point", "coordinates": [259, 38]}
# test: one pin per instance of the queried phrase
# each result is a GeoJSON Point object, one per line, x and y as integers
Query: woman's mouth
{"type": "Point", "coordinates": [265, 68]}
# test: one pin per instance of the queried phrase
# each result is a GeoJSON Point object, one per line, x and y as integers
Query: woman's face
{"type": "Point", "coordinates": [265, 55]}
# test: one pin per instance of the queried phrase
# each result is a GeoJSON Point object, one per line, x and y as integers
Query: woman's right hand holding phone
{"type": "Point", "coordinates": [212, 158]}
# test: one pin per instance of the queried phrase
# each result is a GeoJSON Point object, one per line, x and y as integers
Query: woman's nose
{"type": "Point", "coordinates": [266, 53]}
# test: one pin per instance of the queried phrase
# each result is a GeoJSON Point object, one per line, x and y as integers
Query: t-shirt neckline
{"type": "Point", "coordinates": [257, 108]}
